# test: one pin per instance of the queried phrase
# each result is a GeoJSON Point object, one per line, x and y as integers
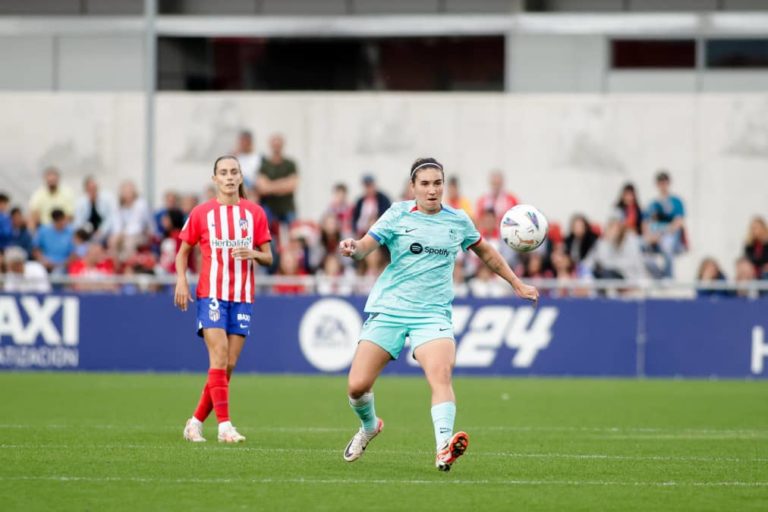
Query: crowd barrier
{"type": "Point", "coordinates": [312, 334]}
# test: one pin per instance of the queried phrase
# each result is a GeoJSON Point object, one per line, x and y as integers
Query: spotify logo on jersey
{"type": "Point", "coordinates": [417, 248]}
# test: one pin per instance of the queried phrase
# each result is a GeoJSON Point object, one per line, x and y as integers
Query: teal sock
{"type": "Point", "coordinates": [443, 416]}
{"type": "Point", "coordinates": [364, 409]}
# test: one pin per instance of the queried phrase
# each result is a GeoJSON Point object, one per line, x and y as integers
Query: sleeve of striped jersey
{"type": "Point", "coordinates": [261, 234]}
{"type": "Point", "coordinates": [471, 234]}
{"type": "Point", "coordinates": [383, 229]}
{"type": "Point", "coordinates": [190, 233]}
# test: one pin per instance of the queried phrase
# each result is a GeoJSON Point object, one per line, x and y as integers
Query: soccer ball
{"type": "Point", "coordinates": [523, 228]}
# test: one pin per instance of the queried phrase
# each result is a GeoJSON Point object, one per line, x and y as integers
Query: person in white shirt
{"type": "Point", "coordinates": [24, 276]}
{"type": "Point", "coordinates": [250, 160]}
{"type": "Point", "coordinates": [133, 224]}
{"type": "Point", "coordinates": [95, 211]}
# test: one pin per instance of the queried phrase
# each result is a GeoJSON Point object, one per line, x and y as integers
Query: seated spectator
{"type": "Point", "coordinates": [23, 276]}
{"type": "Point", "coordinates": [51, 196]}
{"type": "Point", "coordinates": [487, 284]}
{"type": "Point", "coordinates": [455, 200]}
{"type": "Point", "coordinates": [580, 240]}
{"type": "Point", "coordinates": [133, 224]}
{"type": "Point", "coordinates": [171, 223]}
{"type": "Point", "coordinates": [745, 275]}
{"type": "Point", "coordinates": [330, 234]}
{"type": "Point", "coordinates": [535, 266]}
{"type": "Point", "coordinates": [54, 243]}
{"type": "Point", "coordinates": [289, 267]}
{"type": "Point", "coordinates": [564, 272]}
{"type": "Point", "coordinates": [341, 209]}
{"type": "Point", "coordinates": [95, 211]}
{"type": "Point", "coordinates": [496, 199]}
{"type": "Point", "coordinates": [80, 243]}
{"type": "Point", "coordinates": [489, 231]}
{"type": "Point", "coordinates": [333, 278]}
{"type": "Point", "coordinates": [92, 268]}
{"type": "Point", "coordinates": [20, 236]}
{"type": "Point", "coordinates": [756, 247]}
{"type": "Point", "coordinates": [171, 201]}
{"type": "Point", "coordinates": [370, 269]}
{"type": "Point", "coordinates": [665, 227]}
{"type": "Point", "coordinates": [6, 227]}
{"type": "Point", "coordinates": [710, 272]}
{"type": "Point", "coordinates": [369, 207]}
{"type": "Point", "coordinates": [628, 207]}
{"type": "Point", "coordinates": [617, 254]}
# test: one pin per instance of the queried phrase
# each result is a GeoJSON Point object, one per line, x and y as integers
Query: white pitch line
{"type": "Point", "coordinates": [355, 481]}
{"type": "Point", "coordinates": [512, 455]}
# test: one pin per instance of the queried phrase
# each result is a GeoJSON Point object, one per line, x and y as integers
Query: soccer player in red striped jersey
{"type": "Point", "coordinates": [233, 234]}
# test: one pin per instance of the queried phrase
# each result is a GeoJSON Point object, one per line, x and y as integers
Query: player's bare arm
{"type": "Point", "coordinates": [262, 255]}
{"type": "Point", "coordinates": [358, 249]}
{"type": "Point", "coordinates": [495, 261]}
{"type": "Point", "coordinates": [181, 297]}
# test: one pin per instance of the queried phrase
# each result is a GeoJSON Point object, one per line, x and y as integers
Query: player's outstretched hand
{"type": "Point", "coordinates": [181, 297]}
{"type": "Point", "coordinates": [528, 292]}
{"type": "Point", "coordinates": [348, 247]}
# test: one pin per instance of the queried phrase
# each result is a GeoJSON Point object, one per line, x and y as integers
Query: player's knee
{"type": "Point", "coordinates": [358, 387]}
{"type": "Point", "coordinates": [440, 374]}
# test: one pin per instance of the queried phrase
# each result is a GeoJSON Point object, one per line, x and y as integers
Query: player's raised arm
{"type": "Point", "coordinates": [495, 261]}
{"type": "Point", "coordinates": [358, 249]}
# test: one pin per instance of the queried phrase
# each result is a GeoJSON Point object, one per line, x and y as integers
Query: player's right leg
{"type": "Point", "coordinates": [370, 359]}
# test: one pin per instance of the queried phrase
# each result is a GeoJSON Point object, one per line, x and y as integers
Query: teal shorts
{"type": "Point", "coordinates": [389, 331]}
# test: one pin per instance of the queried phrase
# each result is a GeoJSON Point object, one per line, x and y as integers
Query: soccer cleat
{"type": "Point", "coordinates": [360, 440]}
{"type": "Point", "coordinates": [193, 431]}
{"type": "Point", "coordinates": [230, 435]}
{"type": "Point", "coordinates": [451, 450]}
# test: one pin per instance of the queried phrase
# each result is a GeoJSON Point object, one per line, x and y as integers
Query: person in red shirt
{"type": "Point", "coordinates": [498, 199]}
{"type": "Point", "coordinates": [232, 233]}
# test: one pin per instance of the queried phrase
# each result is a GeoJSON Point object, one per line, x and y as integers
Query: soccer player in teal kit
{"type": "Point", "coordinates": [413, 298]}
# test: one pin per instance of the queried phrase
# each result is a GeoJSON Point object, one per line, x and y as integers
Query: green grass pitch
{"type": "Point", "coordinates": [113, 442]}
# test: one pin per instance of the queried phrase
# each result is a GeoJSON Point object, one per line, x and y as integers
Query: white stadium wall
{"type": "Point", "coordinates": [563, 153]}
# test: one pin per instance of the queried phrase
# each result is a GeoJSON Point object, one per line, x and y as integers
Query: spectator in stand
{"type": "Point", "coordinates": [51, 196]}
{"type": "Point", "coordinates": [6, 226]}
{"type": "Point", "coordinates": [289, 267]}
{"type": "Point", "coordinates": [710, 272]}
{"type": "Point", "coordinates": [341, 209]}
{"type": "Point", "coordinates": [628, 207]}
{"type": "Point", "coordinates": [665, 227]}
{"type": "Point", "coordinates": [535, 266]}
{"type": "Point", "coordinates": [54, 244]}
{"type": "Point", "coordinates": [95, 211]}
{"type": "Point", "coordinates": [80, 243]}
{"type": "Point", "coordinates": [20, 236]}
{"type": "Point", "coordinates": [460, 285]}
{"type": "Point", "coordinates": [250, 160]}
{"type": "Point", "coordinates": [171, 224]}
{"type": "Point", "coordinates": [564, 271]}
{"type": "Point", "coordinates": [756, 248]}
{"type": "Point", "coordinates": [488, 228]}
{"type": "Point", "coordinates": [745, 274]}
{"type": "Point", "coordinates": [580, 240]}
{"type": "Point", "coordinates": [406, 193]}
{"type": "Point", "coordinates": [277, 182]}
{"type": "Point", "coordinates": [487, 284]}
{"type": "Point", "coordinates": [330, 234]}
{"type": "Point", "coordinates": [133, 223]}
{"type": "Point", "coordinates": [187, 203]}
{"type": "Point", "coordinates": [618, 254]}
{"type": "Point", "coordinates": [23, 276]}
{"type": "Point", "coordinates": [92, 268]}
{"type": "Point", "coordinates": [171, 201]}
{"type": "Point", "coordinates": [497, 199]}
{"type": "Point", "coordinates": [333, 277]}
{"type": "Point", "coordinates": [369, 207]}
{"type": "Point", "coordinates": [455, 200]}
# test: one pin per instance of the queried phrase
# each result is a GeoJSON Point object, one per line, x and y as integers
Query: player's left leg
{"type": "Point", "coordinates": [437, 358]}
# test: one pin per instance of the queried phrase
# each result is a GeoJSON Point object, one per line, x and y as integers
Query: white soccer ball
{"type": "Point", "coordinates": [523, 228]}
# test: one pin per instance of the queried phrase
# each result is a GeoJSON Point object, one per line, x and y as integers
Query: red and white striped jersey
{"type": "Point", "coordinates": [218, 229]}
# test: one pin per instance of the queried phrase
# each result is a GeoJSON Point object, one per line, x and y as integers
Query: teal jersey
{"type": "Point", "coordinates": [423, 248]}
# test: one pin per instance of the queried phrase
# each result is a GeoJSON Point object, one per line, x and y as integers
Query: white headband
{"type": "Point", "coordinates": [426, 164]}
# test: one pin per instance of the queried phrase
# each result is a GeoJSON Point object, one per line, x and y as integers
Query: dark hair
{"type": "Point", "coordinates": [662, 176]}
{"type": "Point", "coordinates": [15, 210]}
{"type": "Point", "coordinates": [638, 227]}
{"type": "Point", "coordinates": [175, 218]}
{"type": "Point", "coordinates": [340, 186]}
{"type": "Point", "coordinates": [423, 163]}
{"type": "Point", "coordinates": [57, 214]}
{"type": "Point", "coordinates": [4, 197]}
{"type": "Point", "coordinates": [240, 188]}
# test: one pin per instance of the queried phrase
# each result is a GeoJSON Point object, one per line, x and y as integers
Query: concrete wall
{"type": "Point", "coordinates": [563, 153]}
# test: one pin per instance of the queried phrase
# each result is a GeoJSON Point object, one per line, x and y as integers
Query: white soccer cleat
{"type": "Point", "coordinates": [451, 450]}
{"type": "Point", "coordinates": [360, 440]}
{"type": "Point", "coordinates": [230, 435]}
{"type": "Point", "coordinates": [193, 431]}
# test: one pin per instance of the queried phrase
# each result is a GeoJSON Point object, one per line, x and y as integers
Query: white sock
{"type": "Point", "coordinates": [224, 425]}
